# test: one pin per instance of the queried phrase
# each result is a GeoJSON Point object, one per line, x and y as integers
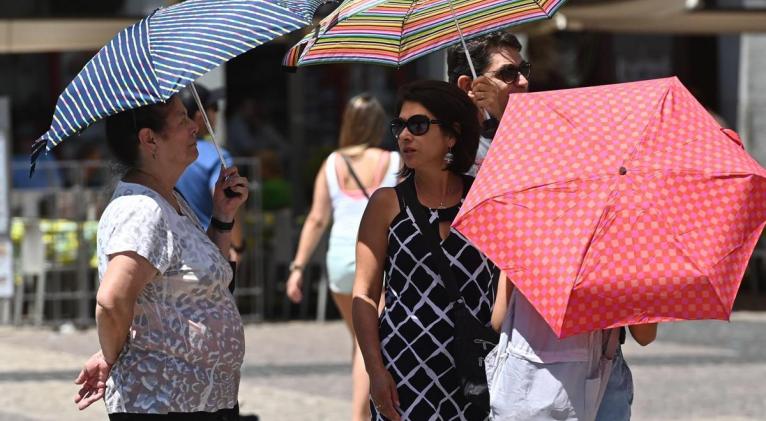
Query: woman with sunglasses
{"type": "Point", "coordinates": [407, 351]}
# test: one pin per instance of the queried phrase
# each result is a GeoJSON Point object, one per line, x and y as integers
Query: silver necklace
{"type": "Point", "coordinates": [444, 194]}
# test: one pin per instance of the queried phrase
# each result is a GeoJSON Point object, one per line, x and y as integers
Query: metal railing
{"type": "Point", "coordinates": [54, 235]}
{"type": "Point", "coordinates": [54, 232]}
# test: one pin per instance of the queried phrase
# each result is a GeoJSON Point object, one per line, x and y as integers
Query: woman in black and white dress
{"type": "Point", "coordinates": [408, 349]}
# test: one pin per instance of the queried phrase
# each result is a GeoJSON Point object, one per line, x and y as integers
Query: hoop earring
{"type": "Point", "coordinates": [154, 153]}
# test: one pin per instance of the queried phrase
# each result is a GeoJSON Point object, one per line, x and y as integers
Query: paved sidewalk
{"type": "Point", "coordinates": [292, 371]}
{"type": "Point", "coordinates": [300, 371]}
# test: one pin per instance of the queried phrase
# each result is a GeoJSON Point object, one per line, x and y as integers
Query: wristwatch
{"type": "Point", "coordinates": [294, 266]}
{"type": "Point", "coordinates": [220, 225]}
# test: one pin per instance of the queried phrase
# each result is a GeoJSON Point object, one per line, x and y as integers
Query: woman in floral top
{"type": "Point", "coordinates": [171, 336]}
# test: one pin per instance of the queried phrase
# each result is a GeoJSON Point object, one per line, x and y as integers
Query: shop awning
{"type": "Point", "coordinates": [619, 16]}
{"type": "Point", "coordinates": [44, 35]}
{"type": "Point", "coordinates": [19, 36]}
{"type": "Point", "coordinates": [653, 16]}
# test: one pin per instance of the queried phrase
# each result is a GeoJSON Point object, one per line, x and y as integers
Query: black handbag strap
{"type": "Point", "coordinates": [431, 236]}
{"type": "Point", "coordinates": [354, 176]}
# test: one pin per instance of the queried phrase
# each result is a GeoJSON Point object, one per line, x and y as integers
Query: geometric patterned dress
{"type": "Point", "coordinates": [416, 326]}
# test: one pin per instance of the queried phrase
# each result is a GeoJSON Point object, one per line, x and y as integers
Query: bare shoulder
{"type": "Point", "coordinates": [384, 198]}
{"type": "Point", "coordinates": [383, 206]}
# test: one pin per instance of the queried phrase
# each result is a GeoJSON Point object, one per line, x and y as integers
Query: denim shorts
{"type": "Point", "coordinates": [618, 397]}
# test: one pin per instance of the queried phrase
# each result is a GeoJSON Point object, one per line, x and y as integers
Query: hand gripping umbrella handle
{"type": "Point", "coordinates": [228, 191]}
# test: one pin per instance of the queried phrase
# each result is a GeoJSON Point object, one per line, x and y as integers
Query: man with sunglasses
{"type": "Point", "coordinates": [501, 71]}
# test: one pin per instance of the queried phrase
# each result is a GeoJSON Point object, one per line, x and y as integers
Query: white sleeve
{"type": "Point", "coordinates": [138, 224]}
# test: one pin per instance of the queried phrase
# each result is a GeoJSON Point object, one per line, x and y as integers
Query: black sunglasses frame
{"type": "Point", "coordinates": [512, 72]}
{"type": "Point", "coordinates": [414, 124]}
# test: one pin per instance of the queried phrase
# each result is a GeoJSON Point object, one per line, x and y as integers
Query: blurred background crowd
{"type": "Point", "coordinates": [280, 126]}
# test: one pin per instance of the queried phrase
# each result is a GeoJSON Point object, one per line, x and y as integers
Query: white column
{"type": "Point", "coordinates": [6, 250]}
{"type": "Point", "coordinates": [751, 109]}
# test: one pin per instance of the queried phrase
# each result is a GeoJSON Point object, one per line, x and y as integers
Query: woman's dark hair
{"type": "Point", "coordinates": [456, 112]}
{"type": "Point", "coordinates": [122, 130]}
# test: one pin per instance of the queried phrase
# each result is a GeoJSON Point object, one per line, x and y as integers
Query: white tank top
{"type": "Point", "coordinates": [348, 205]}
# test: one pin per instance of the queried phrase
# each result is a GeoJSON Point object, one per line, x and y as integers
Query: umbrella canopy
{"type": "Point", "coordinates": [156, 57]}
{"type": "Point", "coordinates": [395, 32]}
{"type": "Point", "coordinates": [617, 205]}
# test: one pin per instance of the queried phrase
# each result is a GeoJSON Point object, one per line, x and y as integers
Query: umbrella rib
{"type": "Point", "coordinates": [150, 60]}
{"type": "Point", "coordinates": [601, 226]}
{"type": "Point", "coordinates": [644, 137]}
{"type": "Point", "coordinates": [660, 210]}
{"type": "Point", "coordinates": [696, 266]}
{"type": "Point", "coordinates": [720, 300]}
{"type": "Point", "coordinates": [401, 28]}
{"type": "Point", "coordinates": [644, 132]}
{"type": "Point", "coordinates": [555, 111]}
{"type": "Point", "coordinates": [542, 8]}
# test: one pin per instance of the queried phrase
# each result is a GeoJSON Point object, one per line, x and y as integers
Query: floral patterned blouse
{"type": "Point", "coordinates": [186, 342]}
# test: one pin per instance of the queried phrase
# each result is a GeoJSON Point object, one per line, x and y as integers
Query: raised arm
{"type": "Point", "coordinates": [316, 223]}
{"type": "Point", "coordinates": [225, 208]}
{"type": "Point", "coordinates": [644, 334]}
{"type": "Point", "coordinates": [371, 249]}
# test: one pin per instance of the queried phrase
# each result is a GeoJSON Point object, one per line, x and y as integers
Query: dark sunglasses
{"type": "Point", "coordinates": [510, 73]}
{"type": "Point", "coordinates": [418, 125]}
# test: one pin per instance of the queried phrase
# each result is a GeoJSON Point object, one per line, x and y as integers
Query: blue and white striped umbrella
{"type": "Point", "coordinates": [156, 57]}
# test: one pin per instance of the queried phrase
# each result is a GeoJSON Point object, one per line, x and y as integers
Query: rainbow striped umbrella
{"type": "Point", "coordinates": [395, 32]}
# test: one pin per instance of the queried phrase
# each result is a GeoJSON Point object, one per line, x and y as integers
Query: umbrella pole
{"type": "Point", "coordinates": [207, 123]}
{"type": "Point", "coordinates": [462, 40]}
{"type": "Point", "coordinates": [465, 49]}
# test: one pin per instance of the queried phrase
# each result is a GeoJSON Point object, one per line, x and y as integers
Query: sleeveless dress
{"type": "Point", "coordinates": [416, 327]}
{"type": "Point", "coordinates": [347, 209]}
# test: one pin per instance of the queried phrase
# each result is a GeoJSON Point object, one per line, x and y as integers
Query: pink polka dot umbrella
{"type": "Point", "coordinates": [616, 205]}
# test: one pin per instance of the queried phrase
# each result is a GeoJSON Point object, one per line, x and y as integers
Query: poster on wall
{"type": "Point", "coordinates": [6, 267]}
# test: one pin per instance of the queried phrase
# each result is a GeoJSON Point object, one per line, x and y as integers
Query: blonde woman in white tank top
{"type": "Point", "coordinates": [339, 198]}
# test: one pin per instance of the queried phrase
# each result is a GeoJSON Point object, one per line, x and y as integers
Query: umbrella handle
{"type": "Point", "coordinates": [228, 191]}
{"type": "Point", "coordinates": [467, 54]}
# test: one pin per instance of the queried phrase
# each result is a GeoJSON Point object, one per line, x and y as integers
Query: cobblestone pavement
{"type": "Point", "coordinates": [299, 371]}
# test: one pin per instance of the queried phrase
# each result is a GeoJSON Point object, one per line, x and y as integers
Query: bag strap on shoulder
{"type": "Point", "coordinates": [431, 237]}
{"type": "Point", "coordinates": [354, 176]}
